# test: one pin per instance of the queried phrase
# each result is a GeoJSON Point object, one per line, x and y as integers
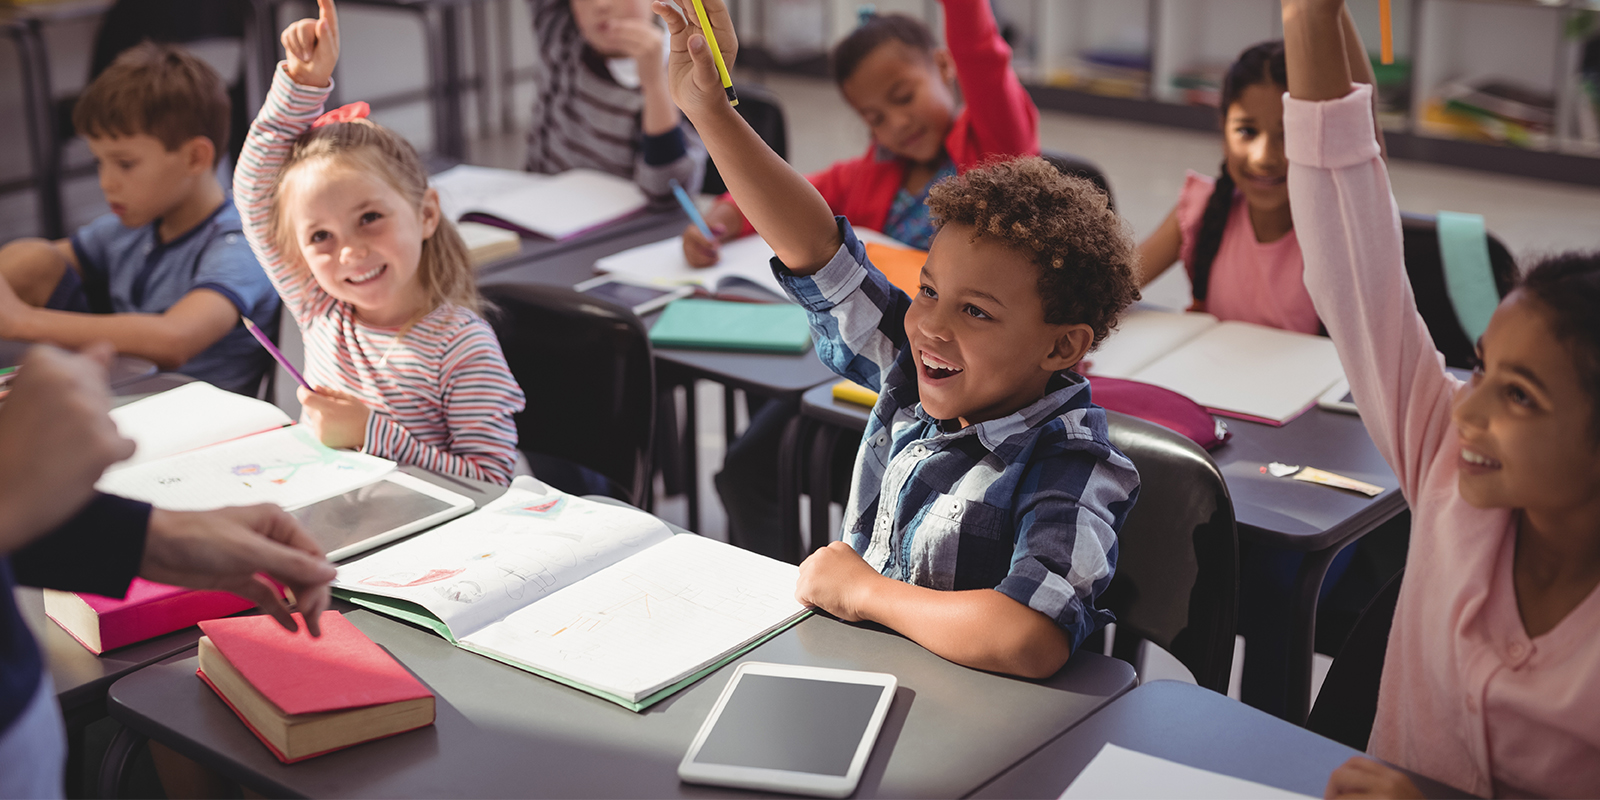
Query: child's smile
{"type": "Point", "coordinates": [978, 333]}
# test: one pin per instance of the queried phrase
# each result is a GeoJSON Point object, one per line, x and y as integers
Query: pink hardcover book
{"type": "Point", "coordinates": [147, 611]}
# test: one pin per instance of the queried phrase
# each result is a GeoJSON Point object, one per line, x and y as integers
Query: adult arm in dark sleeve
{"type": "Point", "coordinates": [98, 550]}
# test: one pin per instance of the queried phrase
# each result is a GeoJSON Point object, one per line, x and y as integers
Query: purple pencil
{"type": "Point", "coordinates": [272, 350]}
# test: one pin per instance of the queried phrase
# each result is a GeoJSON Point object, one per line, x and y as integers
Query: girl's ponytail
{"type": "Point", "coordinates": [1208, 240]}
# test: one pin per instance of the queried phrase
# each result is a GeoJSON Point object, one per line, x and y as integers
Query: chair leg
{"type": "Point", "coordinates": [789, 484]}
{"type": "Point", "coordinates": [823, 440]}
{"type": "Point", "coordinates": [117, 760]}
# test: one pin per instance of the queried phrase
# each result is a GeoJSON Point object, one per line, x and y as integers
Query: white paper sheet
{"type": "Point", "coordinates": [749, 258]}
{"type": "Point", "coordinates": [287, 466]}
{"type": "Point", "coordinates": [1142, 336]}
{"type": "Point", "coordinates": [523, 546]}
{"type": "Point", "coordinates": [557, 206]}
{"type": "Point", "coordinates": [1118, 773]}
{"type": "Point", "coordinates": [636, 627]}
{"type": "Point", "coordinates": [191, 416]}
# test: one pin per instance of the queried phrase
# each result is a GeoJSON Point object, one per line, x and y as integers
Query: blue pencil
{"type": "Point", "coordinates": [694, 213]}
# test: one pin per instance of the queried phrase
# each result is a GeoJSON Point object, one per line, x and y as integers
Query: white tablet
{"type": "Point", "coordinates": [1338, 398]}
{"type": "Point", "coordinates": [783, 728]}
{"type": "Point", "coordinates": [642, 298]}
{"type": "Point", "coordinates": [380, 512]}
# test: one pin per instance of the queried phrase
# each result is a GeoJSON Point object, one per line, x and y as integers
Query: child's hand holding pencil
{"type": "Point", "coordinates": [695, 71]}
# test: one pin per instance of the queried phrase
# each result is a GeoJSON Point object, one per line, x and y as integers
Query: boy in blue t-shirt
{"type": "Point", "coordinates": [167, 274]}
{"type": "Point", "coordinates": [986, 500]}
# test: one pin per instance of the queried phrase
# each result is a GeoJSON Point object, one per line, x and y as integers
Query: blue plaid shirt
{"type": "Point", "coordinates": [1028, 504]}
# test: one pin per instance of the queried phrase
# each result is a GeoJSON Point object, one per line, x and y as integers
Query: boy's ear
{"type": "Point", "coordinates": [1072, 343]}
{"type": "Point", "coordinates": [431, 214]}
{"type": "Point", "coordinates": [946, 65]}
{"type": "Point", "coordinates": [199, 154]}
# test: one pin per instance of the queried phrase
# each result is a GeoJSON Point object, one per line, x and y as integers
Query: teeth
{"type": "Point", "coordinates": [1475, 458]}
{"type": "Point", "coordinates": [931, 363]}
{"type": "Point", "coordinates": [368, 275]}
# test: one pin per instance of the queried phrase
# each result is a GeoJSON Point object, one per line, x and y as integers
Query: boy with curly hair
{"type": "Point", "coordinates": [986, 500]}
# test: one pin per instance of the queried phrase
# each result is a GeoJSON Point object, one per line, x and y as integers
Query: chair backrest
{"type": "Point", "coordinates": [1348, 700]}
{"type": "Point", "coordinates": [762, 110]}
{"type": "Point", "coordinates": [1425, 268]}
{"type": "Point", "coordinates": [1177, 581]}
{"type": "Point", "coordinates": [589, 376]}
{"type": "Point", "coordinates": [1081, 168]}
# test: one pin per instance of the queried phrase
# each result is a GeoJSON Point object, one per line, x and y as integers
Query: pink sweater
{"type": "Point", "coordinates": [441, 395]}
{"type": "Point", "coordinates": [1466, 698]}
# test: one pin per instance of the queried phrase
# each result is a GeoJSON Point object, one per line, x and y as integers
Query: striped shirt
{"type": "Point", "coordinates": [440, 393]}
{"type": "Point", "coordinates": [583, 117]}
{"type": "Point", "coordinates": [1028, 504]}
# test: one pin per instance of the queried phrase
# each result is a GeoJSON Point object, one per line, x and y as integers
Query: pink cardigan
{"type": "Point", "coordinates": [1466, 698]}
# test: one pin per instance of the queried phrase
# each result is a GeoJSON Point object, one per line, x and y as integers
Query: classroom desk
{"type": "Point", "coordinates": [762, 374]}
{"type": "Point", "coordinates": [125, 370]}
{"type": "Point", "coordinates": [1274, 512]}
{"type": "Point", "coordinates": [1184, 723]}
{"type": "Point", "coordinates": [503, 732]}
{"type": "Point", "coordinates": [81, 677]}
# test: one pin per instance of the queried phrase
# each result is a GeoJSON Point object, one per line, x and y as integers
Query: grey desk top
{"type": "Point", "coordinates": [502, 732]}
{"type": "Point", "coordinates": [124, 369]}
{"type": "Point", "coordinates": [1184, 723]}
{"type": "Point", "coordinates": [1279, 512]}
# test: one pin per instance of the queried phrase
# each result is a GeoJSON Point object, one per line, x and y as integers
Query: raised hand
{"type": "Point", "coordinates": [312, 46]}
{"type": "Point", "coordinates": [692, 75]}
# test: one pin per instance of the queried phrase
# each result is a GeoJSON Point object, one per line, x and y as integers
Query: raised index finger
{"type": "Point", "coordinates": [326, 11]}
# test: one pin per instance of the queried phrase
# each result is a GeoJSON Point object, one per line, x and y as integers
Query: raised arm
{"type": "Point", "coordinates": [1349, 230]}
{"type": "Point", "coordinates": [299, 86]}
{"type": "Point", "coordinates": [782, 205]}
{"type": "Point", "coordinates": [1004, 118]}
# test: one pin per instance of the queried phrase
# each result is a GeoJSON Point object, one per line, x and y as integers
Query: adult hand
{"type": "Point", "coordinates": [1364, 778]}
{"type": "Point", "coordinates": [55, 440]}
{"type": "Point", "coordinates": [692, 75]}
{"type": "Point", "coordinates": [336, 418]}
{"type": "Point", "coordinates": [312, 46]}
{"type": "Point", "coordinates": [837, 580]}
{"type": "Point", "coordinates": [231, 548]}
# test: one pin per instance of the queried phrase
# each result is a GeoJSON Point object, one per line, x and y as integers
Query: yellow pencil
{"type": "Point", "coordinates": [1386, 34]}
{"type": "Point", "coordinates": [716, 52]}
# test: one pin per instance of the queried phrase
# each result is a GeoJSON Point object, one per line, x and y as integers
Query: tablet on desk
{"type": "Point", "coordinates": [380, 512]}
{"type": "Point", "coordinates": [642, 298]}
{"type": "Point", "coordinates": [785, 728]}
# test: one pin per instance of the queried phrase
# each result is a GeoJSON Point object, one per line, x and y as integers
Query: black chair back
{"type": "Point", "coordinates": [589, 375]}
{"type": "Point", "coordinates": [1081, 168]}
{"type": "Point", "coordinates": [761, 109]}
{"type": "Point", "coordinates": [1348, 700]}
{"type": "Point", "coordinates": [1177, 581]}
{"type": "Point", "coordinates": [1425, 266]}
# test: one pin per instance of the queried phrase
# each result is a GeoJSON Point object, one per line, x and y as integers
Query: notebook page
{"type": "Point", "coordinates": [191, 416]}
{"type": "Point", "coordinates": [564, 205]}
{"type": "Point", "coordinates": [515, 550]}
{"type": "Point", "coordinates": [750, 258]}
{"type": "Point", "coordinates": [1251, 370]}
{"type": "Point", "coordinates": [463, 188]}
{"type": "Point", "coordinates": [287, 466]}
{"type": "Point", "coordinates": [1143, 335]}
{"type": "Point", "coordinates": [1117, 773]}
{"type": "Point", "coordinates": [645, 622]}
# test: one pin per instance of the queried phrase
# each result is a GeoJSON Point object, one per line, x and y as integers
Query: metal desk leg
{"type": "Point", "coordinates": [730, 416]}
{"type": "Point", "coordinates": [43, 146]}
{"type": "Point", "coordinates": [440, 31]}
{"type": "Point", "coordinates": [691, 457]}
{"type": "Point", "coordinates": [1303, 630]}
{"type": "Point", "coordinates": [504, 69]}
{"type": "Point", "coordinates": [821, 483]}
{"type": "Point", "coordinates": [480, 65]}
{"type": "Point", "coordinates": [789, 484]}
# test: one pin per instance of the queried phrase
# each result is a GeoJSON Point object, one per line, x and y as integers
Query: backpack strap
{"type": "Point", "coordinates": [1468, 274]}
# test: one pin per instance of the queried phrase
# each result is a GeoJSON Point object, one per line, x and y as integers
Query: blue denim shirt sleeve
{"type": "Point", "coordinates": [857, 316]}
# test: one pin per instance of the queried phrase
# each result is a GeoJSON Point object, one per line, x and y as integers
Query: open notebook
{"type": "Point", "coordinates": [200, 447]}
{"type": "Point", "coordinates": [602, 598]}
{"type": "Point", "coordinates": [1232, 368]}
{"type": "Point", "coordinates": [553, 206]}
{"type": "Point", "coordinates": [749, 259]}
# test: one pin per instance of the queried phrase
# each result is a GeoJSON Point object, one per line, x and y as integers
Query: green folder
{"type": "Point", "coordinates": [726, 325]}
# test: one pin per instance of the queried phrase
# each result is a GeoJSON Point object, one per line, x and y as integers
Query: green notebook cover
{"type": "Point", "coordinates": [725, 325]}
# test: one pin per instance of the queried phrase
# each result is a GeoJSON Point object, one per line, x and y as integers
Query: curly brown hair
{"type": "Point", "coordinates": [1084, 253]}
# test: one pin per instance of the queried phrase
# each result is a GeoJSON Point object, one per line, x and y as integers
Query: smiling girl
{"type": "Point", "coordinates": [1489, 680]}
{"type": "Point", "coordinates": [340, 214]}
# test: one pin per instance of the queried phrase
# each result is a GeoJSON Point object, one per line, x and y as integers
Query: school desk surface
{"type": "Point", "coordinates": [503, 732]}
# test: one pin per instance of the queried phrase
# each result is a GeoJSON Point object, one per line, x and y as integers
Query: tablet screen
{"type": "Point", "coordinates": [793, 724]}
{"type": "Point", "coordinates": [360, 514]}
{"type": "Point", "coordinates": [627, 295]}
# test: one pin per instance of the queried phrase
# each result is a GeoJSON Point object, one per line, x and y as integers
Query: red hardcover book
{"type": "Point", "coordinates": [148, 610]}
{"type": "Point", "coordinates": [303, 697]}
